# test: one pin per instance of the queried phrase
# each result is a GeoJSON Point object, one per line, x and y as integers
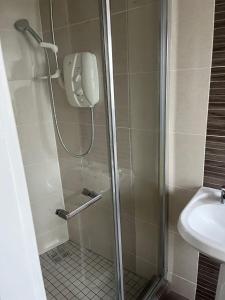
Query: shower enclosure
{"type": "Point", "coordinates": [89, 103]}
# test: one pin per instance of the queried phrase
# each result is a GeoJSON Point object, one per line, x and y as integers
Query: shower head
{"type": "Point", "coordinates": [23, 25]}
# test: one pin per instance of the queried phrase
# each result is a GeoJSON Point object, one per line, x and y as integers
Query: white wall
{"type": "Point", "coordinates": [32, 111]}
{"type": "Point", "coordinates": [20, 272]}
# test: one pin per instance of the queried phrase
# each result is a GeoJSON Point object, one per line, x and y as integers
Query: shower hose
{"type": "Point", "coordinates": [52, 97]}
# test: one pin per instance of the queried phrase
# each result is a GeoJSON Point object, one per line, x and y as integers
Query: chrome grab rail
{"type": "Point", "coordinates": [62, 213]}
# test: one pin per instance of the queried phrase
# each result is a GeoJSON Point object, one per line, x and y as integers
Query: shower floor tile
{"type": "Point", "coordinates": [72, 272]}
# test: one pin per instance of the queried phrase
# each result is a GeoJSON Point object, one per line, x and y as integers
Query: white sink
{"type": "Point", "coordinates": [202, 223]}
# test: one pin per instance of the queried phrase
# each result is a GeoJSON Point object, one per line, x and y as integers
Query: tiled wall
{"type": "Point", "coordinates": [214, 175]}
{"type": "Point", "coordinates": [135, 34]}
{"type": "Point", "coordinates": [32, 110]}
{"type": "Point", "coordinates": [191, 36]}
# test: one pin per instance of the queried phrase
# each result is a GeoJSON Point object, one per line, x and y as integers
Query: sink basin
{"type": "Point", "coordinates": [202, 223]}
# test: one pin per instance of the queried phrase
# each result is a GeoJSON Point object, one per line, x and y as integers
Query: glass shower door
{"type": "Point", "coordinates": [138, 63]}
{"type": "Point", "coordinates": [85, 265]}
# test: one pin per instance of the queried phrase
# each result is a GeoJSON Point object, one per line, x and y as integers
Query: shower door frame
{"type": "Point", "coordinates": [106, 39]}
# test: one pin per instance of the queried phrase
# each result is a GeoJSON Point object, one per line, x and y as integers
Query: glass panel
{"type": "Point", "coordinates": [91, 233]}
{"type": "Point", "coordinates": [77, 256]}
{"type": "Point", "coordinates": [135, 39]}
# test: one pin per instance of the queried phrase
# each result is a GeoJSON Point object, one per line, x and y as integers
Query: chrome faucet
{"type": "Point", "coordinates": [222, 196]}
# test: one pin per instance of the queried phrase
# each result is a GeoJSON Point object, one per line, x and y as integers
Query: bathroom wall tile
{"type": "Point", "coordinates": [123, 145]}
{"type": "Point", "coordinates": [129, 261]}
{"type": "Point", "coordinates": [182, 286]}
{"type": "Point", "coordinates": [82, 10]}
{"type": "Point", "coordinates": [119, 43]}
{"type": "Point", "coordinates": [208, 277]}
{"type": "Point", "coordinates": [121, 100]}
{"type": "Point", "coordinates": [37, 142]}
{"type": "Point", "coordinates": [144, 145]}
{"type": "Point", "coordinates": [65, 112]}
{"type": "Point", "coordinates": [70, 133]}
{"type": "Point", "coordinates": [147, 248]}
{"type": "Point", "coordinates": [146, 200]}
{"type": "Point", "coordinates": [60, 14]}
{"type": "Point", "coordinates": [63, 41]}
{"type": "Point", "coordinates": [70, 170]}
{"type": "Point", "coordinates": [11, 11]}
{"type": "Point", "coordinates": [138, 3]}
{"type": "Point", "coordinates": [145, 269]}
{"type": "Point", "coordinates": [144, 101]}
{"type": "Point", "coordinates": [126, 193]}
{"type": "Point", "coordinates": [187, 17]}
{"type": "Point", "coordinates": [84, 114]}
{"type": "Point", "coordinates": [143, 35]}
{"type": "Point", "coordinates": [178, 199]}
{"type": "Point", "coordinates": [79, 229]}
{"type": "Point", "coordinates": [189, 93]}
{"type": "Point", "coordinates": [86, 37]}
{"type": "Point", "coordinates": [99, 153]}
{"type": "Point", "coordinates": [186, 160]}
{"type": "Point", "coordinates": [128, 227]}
{"type": "Point", "coordinates": [183, 259]}
{"type": "Point", "coordinates": [118, 5]}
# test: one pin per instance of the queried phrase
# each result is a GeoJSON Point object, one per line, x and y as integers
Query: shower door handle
{"type": "Point", "coordinates": [94, 197]}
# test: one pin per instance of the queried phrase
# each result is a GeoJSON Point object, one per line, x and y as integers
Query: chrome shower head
{"type": "Point", "coordinates": [23, 25]}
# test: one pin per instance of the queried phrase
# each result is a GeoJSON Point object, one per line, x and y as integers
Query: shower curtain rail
{"type": "Point", "coordinates": [94, 197]}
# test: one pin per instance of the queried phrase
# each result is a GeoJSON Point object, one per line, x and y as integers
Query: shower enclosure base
{"type": "Point", "coordinates": [72, 272]}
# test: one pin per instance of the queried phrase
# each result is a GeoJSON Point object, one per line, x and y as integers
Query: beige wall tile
{"type": "Point", "coordinates": [190, 50]}
{"type": "Point", "coordinates": [178, 199]}
{"type": "Point", "coordinates": [122, 100]}
{"type": "Point", "coordinates": [186, 160]}
{"type": "Point", "coordinates": [138, 3]}
{"type": "Point", "coordinates": [118, 5]}
{"type": "Point", "coordinates": [60, 14]}
{"type": "Point", "coordinates": [123, 145]}
{"type": "Point", "coordinates": [82, 10]}
{"type": "Point", "coordinates": [146, 200]}
{"type": "Point", "coordinates": [144, 101]}
{"type": "Point", "coordinates": [71, 176]}
{"type": "Point", "coordinates": [183, 258]}
{"type": "Point", "coordinates": [99, 151]}
{"type": "Point", "coordinates": [147, 237]}
{"type": "Point", "coordinates": [143, 34]}
{"type": "Point", "coordinates": [182, 286]}
{"type": "Point", "coordinates": [189, 97]}
{"type": "Point", "coordinates": [119, 43]}
{"type": "Point", "coordinates": [145, 269]}
{"type": "Point", "coordinates": [70, 133]}
{"type": "Point", "coordinates": [86, 37]}
{"type": "Point", "coordinates": [65, 112]}
{"type": "Point", "coordinates": [126, 193]}
{"type": "Point", "coordinates": [144, 154]}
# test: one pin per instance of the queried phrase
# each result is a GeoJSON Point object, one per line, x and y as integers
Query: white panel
{"type": "Point", "coordinates": [20, 273]}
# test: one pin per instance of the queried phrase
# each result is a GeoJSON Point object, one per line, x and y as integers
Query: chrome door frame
{"type": "Point", "coordinates": [105, 20]}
